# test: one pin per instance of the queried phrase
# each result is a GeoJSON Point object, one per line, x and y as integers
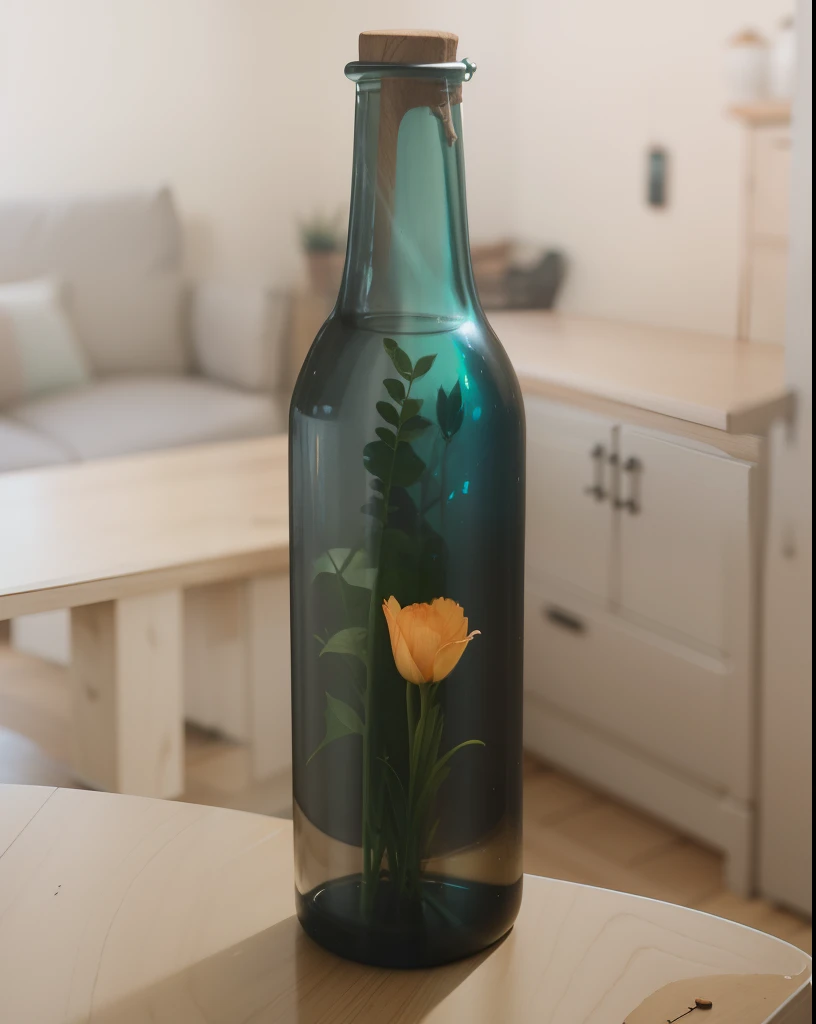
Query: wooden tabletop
{"type": "Point", "coordinates": [101, 530]}
{"type": "Point", "coordinates": [733, 386]}
{"type": "Point", "coordinates": [123, 910]}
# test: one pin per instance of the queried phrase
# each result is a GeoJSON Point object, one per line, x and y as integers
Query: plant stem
{"type": "Point", "coordinates": [366, 894]}
{"type": "Point", "coordinates": [370, 869]}
{"type": "Point", "coordinates": [409, 704]}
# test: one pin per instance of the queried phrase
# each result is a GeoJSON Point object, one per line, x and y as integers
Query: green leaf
{"type": "Point", "coordinates": [450, 411]}
{"type": "Point", "coordinates": [440, 770]}
{"type": "Point", "coordinates": [408, 466]}
{"type": "Point", "coordinates": [442, 411]}
{"type": "Point", "coordinates": [395, 388]}
{"type": "Point", "coordinates": [410, 408]}
{"type": "Point", "coordinates": [330, 560]}
{"type": "Point", "coordinates": [399, 358]}
{"type": "Point", "coordinates": [423, 365]}
{"type": "Point", "coordinates": [388, 413]}
{"type": "Point", "coordinates": [350, 564]}
{"type": "Point", "coordinates": [413, 428]}
{"type": "Point", "coordinates": [431, 835]}
{"type": "Point", "coordinates": [403, 365]}
{"type": "Point", "coordinates": [401, 468]}
{"type": "Point", "coordinates": [348, 641]}
{"type": "Point", "coordinates": [378, 459]}
{"type": "Point", "coordinates": [341, 720]}
{"type": "Point", "coordinates": [396, 790]}
{"type": "Point", "coordinates": [459, 746]}
{"type": "Point", "coordinates": [374, 507]}
{"type": "Point", "coordinates": [384, 434]}
{"type": "Point", "coordinates": [455, 409]}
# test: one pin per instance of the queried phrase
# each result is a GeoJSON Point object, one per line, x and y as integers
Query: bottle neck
{"type": "Point", "coordinates": [408, 255]}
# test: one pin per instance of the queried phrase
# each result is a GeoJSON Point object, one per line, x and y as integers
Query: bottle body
{"type": "Point", "coordinates": [407, 548]}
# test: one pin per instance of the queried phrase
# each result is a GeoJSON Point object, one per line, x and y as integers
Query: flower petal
{"type": "Point", "coordinates": [448, 619]}
{"type": "Point", "coordinates": [391, 610]}
{"type": "Point", "coordinates": [422, 640]}
{"type": "Point", "coordinates": [406, 666]}
{"type": "Point", "coordinates": [447, 657]}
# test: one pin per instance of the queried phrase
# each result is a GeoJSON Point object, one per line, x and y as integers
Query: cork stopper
{"type": "Point", "coordinates": [408, 46]}
{"type": "Point", "coordinates": [411, 46]}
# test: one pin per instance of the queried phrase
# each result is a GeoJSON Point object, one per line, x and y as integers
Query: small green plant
{"type": "Point", "coordinates": [427, 637]}
{"type": "Point", "coordinates": [322, 234]}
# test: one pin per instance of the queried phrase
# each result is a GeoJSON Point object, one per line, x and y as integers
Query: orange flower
{"type": "Point", "coordinates": [427, 640]}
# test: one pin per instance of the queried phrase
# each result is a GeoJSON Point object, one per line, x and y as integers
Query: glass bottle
{"type": "Point", "coordinates": [407, 551]}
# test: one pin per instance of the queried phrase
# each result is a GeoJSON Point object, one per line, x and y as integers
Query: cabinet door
{"type": "Point", "coordinates": [631, 686]}
{"type": "Point", "coordinates": [685, 548]}
{"type": "Point", "coordinates": [569, 529]}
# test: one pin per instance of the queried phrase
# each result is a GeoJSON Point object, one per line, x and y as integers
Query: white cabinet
{"type": "Point", "coordinates": [639, 619]}
{"type": "Point", "coordinates": [568, 535]}
{"type": "Point", "coordinates": [683, 550]}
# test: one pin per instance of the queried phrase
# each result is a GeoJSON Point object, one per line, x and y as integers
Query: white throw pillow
{"type": "Point", "coordinates": [39, 351]}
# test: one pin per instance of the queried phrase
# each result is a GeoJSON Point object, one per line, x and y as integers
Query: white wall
{"type": "Point", "coordinates": [601, 82]}
{"type": "Point", "coordinates": [240, 104]}
{"type": "Point", "coordinates": [786, 790]}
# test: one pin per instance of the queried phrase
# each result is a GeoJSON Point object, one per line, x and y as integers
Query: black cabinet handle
{"type": "Point", "coordinates": [597, 490]}
{"type": "Point", "coordinates": [633, 468]}
{"type": "Point", "coordinates": [564, 619]}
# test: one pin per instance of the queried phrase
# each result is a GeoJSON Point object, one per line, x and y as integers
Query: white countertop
{"type": "Point", "coordinates": [733, 386]}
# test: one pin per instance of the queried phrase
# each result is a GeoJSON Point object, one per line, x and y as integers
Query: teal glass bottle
{"type": "Point", "coordinates": [407, 551]}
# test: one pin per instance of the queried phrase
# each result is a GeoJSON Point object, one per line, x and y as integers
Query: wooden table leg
{"type": "Point", "coordinates": [270, 680]}
{"type": "Point", "coordinates": [237, 681]}
{"type": "Point", "coordinates": [127, 669]}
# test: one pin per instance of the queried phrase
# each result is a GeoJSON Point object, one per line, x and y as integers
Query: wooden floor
{"type": "Point", "coordinates": [570, 831]}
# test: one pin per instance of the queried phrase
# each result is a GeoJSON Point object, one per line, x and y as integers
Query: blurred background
{"type": "Point", "coordinates": [628, 165]}
{"type": "Point", "coordinates": [243, 110]}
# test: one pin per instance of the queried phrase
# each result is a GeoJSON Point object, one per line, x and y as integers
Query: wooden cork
{"type": "Point", "coordinates": [408, 46]}
{"type": "Point", "coordinates": [397, 97]}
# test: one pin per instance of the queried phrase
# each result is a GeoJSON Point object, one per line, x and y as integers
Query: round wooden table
{"type": "Point", "coordinates": [123, 910]}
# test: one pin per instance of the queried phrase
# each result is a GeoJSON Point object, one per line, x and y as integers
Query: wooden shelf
{"type": "Point", "coordinates": [762, 113]}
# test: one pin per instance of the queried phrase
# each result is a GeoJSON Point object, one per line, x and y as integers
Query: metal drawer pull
{"type": "Point", "coordinates": [633, 467]}
{"type": "Point", "coordinates": [565, 620]}
{"type": "Point", "coordinates": [597, 490]}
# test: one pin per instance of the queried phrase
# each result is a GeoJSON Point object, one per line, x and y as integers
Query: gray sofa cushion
{"type": "Point", "coordinates": [23, 448]}
{"type": "Point", "coordinates": [120, 258]}
{"type": "Point", "coordinates": [133, 413]}
{"type": "Point", "coordinates": [133, 234]}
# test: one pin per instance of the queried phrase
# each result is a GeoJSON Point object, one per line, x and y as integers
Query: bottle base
{"type": "Point", "coordinates": [453, 919]}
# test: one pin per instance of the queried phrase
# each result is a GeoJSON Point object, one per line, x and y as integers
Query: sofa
{"type": "Point", "coordinates": [167, 362]}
